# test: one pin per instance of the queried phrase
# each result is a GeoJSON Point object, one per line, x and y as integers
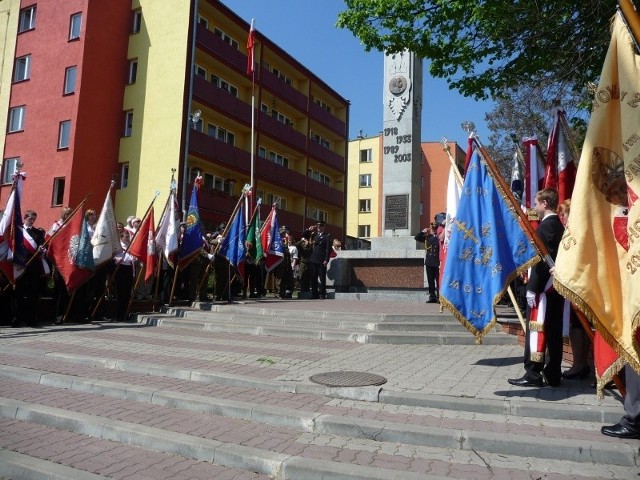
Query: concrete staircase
{"type": "Point", "coordinates": [204, 393]}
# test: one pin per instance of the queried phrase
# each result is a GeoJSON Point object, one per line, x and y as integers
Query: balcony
{"type": "Point", "coordinates": [326, 156]}
{"type": "Point", "coordinates": [276, 174]}
{"type": "Point", "coordinates": [207, 93]}
{"type": "Point", "coordinates": [327, 119]}
{"type": "Point", "coordinates": [292, 221]}
{"type": "Point", "coordinates": [218, 152]}
{"type": "Point", "coordinates": [283, 90]}
{"type": "Point", "coordinates": [281, 132]}
{"type": "Point", "coordinates": [214, 206]}
{"type": "Point", "coordinates": [325, 193]}
{"type": "Point", "coordinates": [216, 47]}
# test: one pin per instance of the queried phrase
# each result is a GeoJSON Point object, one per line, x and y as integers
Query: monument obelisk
{"type": "Point", "coordinates": [401, 138]}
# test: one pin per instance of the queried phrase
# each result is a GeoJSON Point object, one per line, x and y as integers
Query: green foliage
{"type": "Point", "coordinates": [485, 48]}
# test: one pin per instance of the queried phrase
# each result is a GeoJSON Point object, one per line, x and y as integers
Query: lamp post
{"type": "Point", "coordinates": [192, 122]}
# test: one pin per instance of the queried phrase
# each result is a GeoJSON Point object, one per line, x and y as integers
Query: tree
{"type": "Point", "coordinates": [484, 49]}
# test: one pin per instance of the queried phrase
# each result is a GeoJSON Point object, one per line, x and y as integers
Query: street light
{"type": "Point", "coordinates": [192, 122]}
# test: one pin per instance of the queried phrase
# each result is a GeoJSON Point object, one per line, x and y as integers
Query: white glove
{"type": "Point", "coordinates": [531, 299]}
{"type": "Point", "coordinates": [210, 256]}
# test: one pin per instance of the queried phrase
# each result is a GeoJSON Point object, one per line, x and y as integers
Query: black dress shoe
{"type": "Point", "coordinates": [619, 431]}
{"type": "Point", "coordinates": [525, 382]}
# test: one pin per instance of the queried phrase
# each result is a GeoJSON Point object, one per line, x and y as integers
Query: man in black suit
{"type": "Point", "coordinates": [550, 231]}
{"type": "Point", "coordinates": [431, 259]}
{"type": "Point", "coordinates": [319, 259]}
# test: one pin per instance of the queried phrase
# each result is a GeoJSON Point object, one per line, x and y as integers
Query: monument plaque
{"type": "Point", "coordinates": [396, 212]}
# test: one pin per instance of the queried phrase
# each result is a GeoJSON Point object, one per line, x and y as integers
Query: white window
{"type": "Point", "coordinates": [264, 108]}
{"type": "Point", "coordinates": [221, 134]}
{"type": "Point", "coordinates": [365, 180]}
{"type": "Point", "coordinates": [200, 71]}
{"type": "Point", "coordinates": [364, 231]}
{"type": "Point", "coordinates": [212, 130]}
{"type": "Point", "coordinates": [16, 119]}
{"type": "Point", "coordinates": [128, 123]}
{"type": "Point", "coordinates": [226, 38]}
{"type": "Point", "coordinates": [75, 25]}
{"type": "Point", "coordinates": [224, 85]}
{"type": "Point", "coordinates": [9, 168]}
{"type": "Point", "coordinates": [203, 21]}
{"type": "Point", "coordinates": [57, 197]}
{"type": "Point", "coordinates": [136, 21]}
{"type": "Point", "coordinates": [133, 71]}
{"type": "Point", "coordinates": [279, 159]}
{"type": "Point", "coordinates": [281, 202]}
{"type": "Point", "coordinates": [22, 69]}
{"type": "Point", "coordinates": [365, 156]}
{"type": "Point", "coordinates": [365, 205]}
{"type": "Point", "coordinates": [282, 76]}
{"type": "Point", "coordinates": [64, 134]}
{"type": "Point", "coordinates": [326, 107]}
{"type": "Point", "coordinates": [320, 140]}
{"type": "Point", "coordinates": [69, 80]}
{"type": "Point", "coordinates": [319, 176]}
{"type": "Point", "coordinates": [262, 152]}
{"type": "Point", "coordinates": [281, 118]}
{"type": "Point", "coordinates": [124, 176]}
{"type": "Point", "coordinates": [27, 19]}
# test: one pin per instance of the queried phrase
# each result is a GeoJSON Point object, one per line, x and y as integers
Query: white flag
{"type": "Point", "coordinates": [105, 240]}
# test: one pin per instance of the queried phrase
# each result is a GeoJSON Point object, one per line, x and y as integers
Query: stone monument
{"type": "Point", "coordinates": [401, 151]}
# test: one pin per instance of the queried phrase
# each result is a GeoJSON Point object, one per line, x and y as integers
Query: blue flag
{"type": "Point", "coordinates": [84, 257]}
{"type": "Point", "coordinates": [233, 246]}
{"type": "Point", "coordinates": [192, 237]}
{"type": "Point", "coordinates": [487, 250]}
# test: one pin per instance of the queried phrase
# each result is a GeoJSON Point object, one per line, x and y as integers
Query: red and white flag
{"type": "Point", "coordinates": [143, 246]}
{"type": "Point", "coordinates": [250, 48]}
{"type": "Point", "coordinates": [105, 240]}
{"type": "Point", "coordinates": [454, 190]}
{"type": "Point", "coordinates": [561, 168]}
{"type": "Point", "coordinates": [167, 234]}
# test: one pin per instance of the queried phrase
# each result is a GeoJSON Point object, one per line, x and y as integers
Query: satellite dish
{"type": "Point", "coordinates": [195, 117]}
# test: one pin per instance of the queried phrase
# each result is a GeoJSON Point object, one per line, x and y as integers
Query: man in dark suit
{"type": "Point", "coordinates": [550, 231]}
{"type": "Point", "coordinates": [431, 259]}
{"type": "Point", "coordinates": [319, 259]}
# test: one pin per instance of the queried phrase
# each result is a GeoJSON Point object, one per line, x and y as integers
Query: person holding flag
{"type": "Point", "coordinates": [545, 304]}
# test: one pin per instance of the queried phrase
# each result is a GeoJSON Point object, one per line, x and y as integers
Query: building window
{"type": "Point", "coordinates": [74, 26]}
{"type": "Point", "coordinates": [200, 71]}
{"type": "Point", "coordinates": [58, 191]}
{"type": "Point", "coordinates": [133, 71]}
{"type": "Point", "coordinates": [226, 38]}
{"type": "Point", "coordinates": [365, 205]}
{"type": "Point", "coordinates": [64, 134]}
{"type": "Point", "coordinates": [203, 21]}
{"type": "Point", "coordinates": [364, 231]}
{"type": "Point", "coordinates": [128, 123]}
{"type": "Point", "coordinates": [124, 176]}
{"type": "Point", "coordinates": [281, 118]}
{"type": "Point", "coordinates": [279, 159]}
{"type": "Point", "coordinates": [262, 152]}
{"type": "Point", "coordinates": [27, 19]}
{"type": "Point", "coordinates": [421, 209]}
{"type": "Point", "coordinates": [319, 177]}
{"type": "Point", "coordinates": [365, 180]}
{"type": "Point", "coordinates": [318, 215]}
{"type": "Point", "coordinates": [326, 107]}
{"type": "Point", "coordinates": [16, 119]}
{"type": "Point", "coordinates": [320, 140]}
{"type": "Point", "coordinates": [366, 156]}
{"type": "Point", "coordinates": [69, 80]}
{"type": "Point", "coordinates": [282, 76]}
{"type": "Point", "coordinates": [9, 168]}
{"type": "Point", "coordinates": [136, 23]}
{"type": "Point", "coordinates": [281, 202]}
{"type": "Point", "coordinates": [224, 85]}
{"type": "Point", "coordinates": [22, 69]}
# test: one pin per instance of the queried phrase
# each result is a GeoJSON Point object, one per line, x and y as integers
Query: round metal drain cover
{"type": "Point", "coordinates": [347, 379]}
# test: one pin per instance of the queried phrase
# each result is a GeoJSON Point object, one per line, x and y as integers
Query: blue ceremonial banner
{"type": "Point", "coordinates": [84, 256]}
{"type": "Point", "coordinates": [233, 246]}
{"type": "Point", "coordinates": [487, 250]}
{"type": "Point", "coordinates": [192, 237]}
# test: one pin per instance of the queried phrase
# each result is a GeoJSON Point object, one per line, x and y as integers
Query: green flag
{"type": "Point", "coordinates": [253, 237]}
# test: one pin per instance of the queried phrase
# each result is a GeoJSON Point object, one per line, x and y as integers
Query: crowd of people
{"type": "Point", "coordinates": [110, 291]}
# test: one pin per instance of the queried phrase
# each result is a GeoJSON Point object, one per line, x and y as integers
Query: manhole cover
{"type": "Point", "coordinates": [347, 379]}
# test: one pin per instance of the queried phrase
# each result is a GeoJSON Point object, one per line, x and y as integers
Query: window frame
{"type": "Point", "coordinates": [128, 124]}
{"type": "Point", "coordinates": [364, 205]}
{"type": "Point", "coordinates": [132, 71]}
{"type": "Point", "coordinates": [136, 21]}
{"type": "Point", "coordinates": [26, 68]}
{"type": "Point", "coordinates": [64, 134]}
{"type": "Point", "coordinates": [6, 177]}
{"type": "Point", "coordinates": [66, 86]}
{"type": "Point", "coordinates": [22, 109]}
{"type": "Point", "coordinates": [368, 180]}
{"type": "Point", "coordinates": [75, 25]}
{"type": "Point", "coordinates": [57, 192]}
{"type": "Point", "coordinates": [124, 175]}
{"type": "Point", "coordinates": [31, 20]}
{"type": "Point", "coordinates": [366, 155]}
{"type": "Point", "coordinates": [364, 229]}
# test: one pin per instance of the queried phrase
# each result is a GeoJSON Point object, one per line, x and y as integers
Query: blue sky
{"type": "Point", "coordinates": [306, 30]}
